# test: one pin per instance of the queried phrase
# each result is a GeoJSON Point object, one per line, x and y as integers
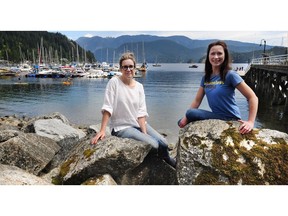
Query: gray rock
{"type": "Point", "coordinates": [102, 180]}
{"type": "Point", "coordinates": [112, 156]}
{"type": "Point", "coordinates": [28, 127]}
{"type": "Point", "coordinates": [152, 171]}
{"type": "Point", "coordinates": [11, 175]}
{"type": "Point", "coordinates": [214, 152]}
{"type": "Point", "coordinates": [8, 134]}
{"type": "Point", "coordinates": [29, 152]}
{"type": "Point", "coordinates": [57, 130]}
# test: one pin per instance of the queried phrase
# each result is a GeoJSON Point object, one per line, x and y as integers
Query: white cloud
{"type": "Point", "coordinates": [88, 35]}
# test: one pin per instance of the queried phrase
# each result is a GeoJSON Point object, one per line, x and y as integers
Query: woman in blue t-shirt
{"type": "Point", "coordinates": [219, 84]}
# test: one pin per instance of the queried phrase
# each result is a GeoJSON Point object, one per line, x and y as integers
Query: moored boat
{"type": "Point", "coordinates": [193, 66]}
{"type": "Point", "coordinates": [143, 67]}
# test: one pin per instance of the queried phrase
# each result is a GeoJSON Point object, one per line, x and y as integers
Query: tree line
{"type": "Point", "coordinates": [41, 47]}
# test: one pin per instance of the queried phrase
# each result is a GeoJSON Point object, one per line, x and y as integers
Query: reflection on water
{"type": "Point", "coordinates": [42, 96]}
{"type": "Point", "coordinates": [273, 117]}
{"type": "Point", "coordinates": [169, 91]}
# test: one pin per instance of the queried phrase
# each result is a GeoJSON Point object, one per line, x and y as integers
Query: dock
{"type": "Point", "coordinates": [268, 77]}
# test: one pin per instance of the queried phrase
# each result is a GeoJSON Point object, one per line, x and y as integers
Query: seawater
{"type": "Point", "coordinates": [169, 91]}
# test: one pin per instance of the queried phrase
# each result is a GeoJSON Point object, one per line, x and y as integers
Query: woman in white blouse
{"type": "Point", "coordinates": [125, 107]}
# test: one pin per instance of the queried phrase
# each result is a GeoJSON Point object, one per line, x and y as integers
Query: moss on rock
{"type": "Point", "coordinates": [249, 160]}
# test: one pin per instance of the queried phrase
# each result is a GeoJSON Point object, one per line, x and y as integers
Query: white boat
{"type": "Point", "coordinates": [79, 72]}
{"type": "Point", "coordinates": [105, 66]}
{"type": "Point", "coordinates": [45, 71]}
{"type": "Point", "coordinates": [25, 68]}
{"type": "Point", "coordinates": [156, 65]}
{"type": "Point", "coordinates": [95, 73]}
{"type": "Point", "coordinates": [114, 73]}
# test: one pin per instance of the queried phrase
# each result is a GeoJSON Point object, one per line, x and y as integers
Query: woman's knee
{"type": "Point", "coordinates": [136, 134]}
{"type": "Point", "coordinates": [154, 143]}
{"type": "Point", "coordinates": [191, 114]}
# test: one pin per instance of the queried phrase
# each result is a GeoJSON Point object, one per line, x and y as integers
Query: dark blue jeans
{"type": "Point", "coordinates": [200, 114]}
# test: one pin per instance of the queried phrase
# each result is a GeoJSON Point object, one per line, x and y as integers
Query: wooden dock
{"type": "Point", "coordinates": [268, 77]}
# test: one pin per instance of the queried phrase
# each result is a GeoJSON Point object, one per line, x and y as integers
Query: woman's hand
{"type": "Point", "coordinates": [101, 135]}
{"type": "Point", "coordinates": [245, 127]}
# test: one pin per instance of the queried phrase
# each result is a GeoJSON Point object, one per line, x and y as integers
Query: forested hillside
{"type": "Point", "coordinates": [22, 46]}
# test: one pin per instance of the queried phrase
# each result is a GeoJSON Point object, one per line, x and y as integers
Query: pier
{"type": "Point", "coordinates": [268, 77]}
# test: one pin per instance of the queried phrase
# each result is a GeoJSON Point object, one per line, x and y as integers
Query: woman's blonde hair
{"type": "Point", "coordinates": [125, 56]}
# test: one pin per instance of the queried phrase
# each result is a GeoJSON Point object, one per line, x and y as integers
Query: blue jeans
{"type": "Point", "coordinates": [152, 137]}
{"type": "Point", "coordinates": [156, 140]}
{"type": "Point", "coordinates": [200, 114]}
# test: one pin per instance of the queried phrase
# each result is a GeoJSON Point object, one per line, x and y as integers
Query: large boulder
{"type": "Point", "coordinates": [11, 175]}
{"type": "Point", "coordinates": [112, 156]}
{"type": "Point", "coordinates": [214, 152]}
{"type": "Point", "coordinates": [28, 126]}
{"type": "Point", "coordinates": [27, 151]}
{"type": "Point", "coordinates": [127, 161]}
{"type": "Point", "coordinates": [56, 127]}
{"type": "Point", "coordinates": [152, 171]}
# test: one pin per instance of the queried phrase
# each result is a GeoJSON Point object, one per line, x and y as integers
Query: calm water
{"type": "Point", "coordinates": [169, 91]}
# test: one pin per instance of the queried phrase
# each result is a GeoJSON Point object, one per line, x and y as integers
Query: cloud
{"type": "Point", "coordinates": [88, 35]}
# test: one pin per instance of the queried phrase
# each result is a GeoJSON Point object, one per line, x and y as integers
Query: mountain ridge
{"type": "Point", "coordinates": [175, 49]}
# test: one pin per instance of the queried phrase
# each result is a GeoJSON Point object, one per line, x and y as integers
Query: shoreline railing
{"type": "Point", "coordinates": [271, 60]}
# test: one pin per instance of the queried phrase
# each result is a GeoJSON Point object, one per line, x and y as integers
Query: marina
{"type": "Point", "coordinates": [102, 70]}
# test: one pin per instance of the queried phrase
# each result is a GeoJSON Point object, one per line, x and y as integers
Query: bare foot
{"type": "Point", "coordinates": [183, 122]}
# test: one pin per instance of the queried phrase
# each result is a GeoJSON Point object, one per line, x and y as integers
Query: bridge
{"type": "Point", "coordinates": [268, 77]}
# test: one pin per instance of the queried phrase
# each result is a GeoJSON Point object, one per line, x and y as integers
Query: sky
{"type": "Point", "coordinates": [275, 38]}
{"type": "Point", "coordinates": [245, 20]}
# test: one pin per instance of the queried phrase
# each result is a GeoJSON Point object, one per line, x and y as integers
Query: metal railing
{"type": "Point", "coordinates": [271, 60]}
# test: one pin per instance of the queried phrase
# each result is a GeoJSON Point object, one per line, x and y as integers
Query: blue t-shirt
{"type": "Point", "coordinates": [221, 95]}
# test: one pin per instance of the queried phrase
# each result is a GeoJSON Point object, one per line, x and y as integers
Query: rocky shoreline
{"type": "Point", "coordinates": [49, 150]}
{"type": "Point", "coordinates": [42, 147]}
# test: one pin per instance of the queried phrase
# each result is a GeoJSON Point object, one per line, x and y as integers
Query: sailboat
{"type": "Point", "coordinates": [156, 63]}
{"type": "Point", "coordinates": [143, 67]}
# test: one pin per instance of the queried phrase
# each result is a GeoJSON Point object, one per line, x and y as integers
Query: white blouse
{"type": "Point", "coordinates": [125, 104]}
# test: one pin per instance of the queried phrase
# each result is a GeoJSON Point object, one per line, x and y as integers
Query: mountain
{"type": "Point", "coordinates": [20, 46]}
{"type": "Point", "coordinates": [172, 49]}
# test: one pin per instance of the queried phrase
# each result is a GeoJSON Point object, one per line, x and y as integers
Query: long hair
{"type": "Point", "coordinates": [226, 65]}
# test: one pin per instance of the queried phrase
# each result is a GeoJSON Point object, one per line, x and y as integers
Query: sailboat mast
{"type": "Point", "coordinates": [85, 60]}
{"type": "Point", "coordinates": [40, 50]}
{"type": "Point", "coordinates": [77, 53]}
{"type": "Point", "coordinates": [143, 52]}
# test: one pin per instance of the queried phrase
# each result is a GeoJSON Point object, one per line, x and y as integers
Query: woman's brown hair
{"type": "Point", "coordinates": [226, 65]}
